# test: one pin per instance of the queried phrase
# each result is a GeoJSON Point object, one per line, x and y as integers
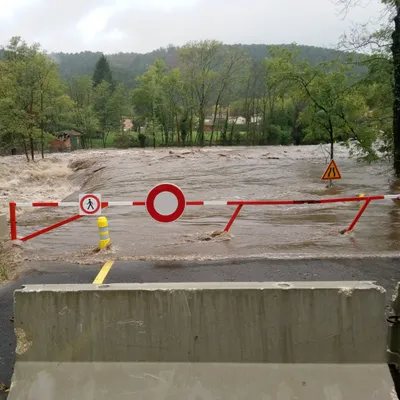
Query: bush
{"type": "Point", "coordinates": [277, 135]}
{"type": "Point", "coordinates": [123, 140]}
{"type": "Point", "coordinates": [286, 138]}
{"type": "Point", "coordinates": [142, 139]}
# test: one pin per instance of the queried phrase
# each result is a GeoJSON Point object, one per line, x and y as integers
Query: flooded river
{"type": "Point", "coordinates": [218, 174]}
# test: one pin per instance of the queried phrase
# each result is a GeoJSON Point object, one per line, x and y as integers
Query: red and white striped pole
{"type": "Point", "coordinates": [238, 203]}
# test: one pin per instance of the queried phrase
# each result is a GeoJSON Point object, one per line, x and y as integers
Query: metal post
{"type": "Point", "coordinates": [232, 220]}
{"type": "Point", "coordinates": [358, 216]}
{"type": "Point", "coordinates": [13, 221]}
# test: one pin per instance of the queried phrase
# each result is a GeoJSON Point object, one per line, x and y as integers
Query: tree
{"type": "Point", "coordinates": [176, 102]}
{"type": "Point", "coordinates": [381, 42]}
{"type": "Point", "coordinates": [109, 106]}
{"type": "Point", "coordinates": [199, 62]}
{"type": "Point", "coordinates": [87, 123]}
{"type": "Point", "coordinates": [80, 89]}
{"type": "Point", "coordinates": [149, 99]}
{"type": "Point", "coordinates": [84, 117]}
{"type": "Point", "coordinates": [253, 89]}
{"type": "Point", "coordinates": [336, 109]}
{"type": "Point", "coordinates": [118, 105]}
{"type": "Point", "coordinates": [235, 62]}
{"type": "Point", "coordinates": [32, 88]}
{"type": "Point", "coordinates": [102, 72]}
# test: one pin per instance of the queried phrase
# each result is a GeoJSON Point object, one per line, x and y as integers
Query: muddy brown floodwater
{"type": "Point", "coordinates": [222, 174]}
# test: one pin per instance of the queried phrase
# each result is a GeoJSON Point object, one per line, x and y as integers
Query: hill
{"type": "Point", "coordinates": [127, 66]}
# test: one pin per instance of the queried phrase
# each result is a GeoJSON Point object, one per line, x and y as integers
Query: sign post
{"type": "Point", "coordinates": [89, 204]}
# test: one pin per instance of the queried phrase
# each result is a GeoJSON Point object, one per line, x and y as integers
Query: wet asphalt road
{"type": "Point", "coordinates": [384, 271]}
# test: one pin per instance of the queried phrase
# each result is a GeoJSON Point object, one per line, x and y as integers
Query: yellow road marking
{"type": "Point", "coordinates": [103, 273]}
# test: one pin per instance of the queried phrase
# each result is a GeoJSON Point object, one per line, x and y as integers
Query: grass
{"type": "Point", "coordinates": [98, 142]}
{"type": "Point", "coordinates": [10, 261]}
{"type": "Point", "coordinates": [3, 388]}
{"type": "Point", "coordinates": [3, 274]}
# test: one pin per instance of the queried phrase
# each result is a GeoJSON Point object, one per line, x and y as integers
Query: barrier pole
{"type": "Point", "coordinates": [50, 228]}
{"type": "Point", "coordinates": [358, 216]}
{"type": "Point", "coordinates": [234, 216]}
{"type": "Point", "coordinates": [13, 221]}
{"type": "Point", "coordinates": [57, 225]}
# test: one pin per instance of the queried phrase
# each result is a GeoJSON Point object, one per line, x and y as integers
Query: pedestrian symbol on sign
{"type": "Point", "coordinates": [89, 204]}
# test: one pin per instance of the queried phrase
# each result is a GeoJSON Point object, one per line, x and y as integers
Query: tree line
{"type": "Point", "coordinates": [279, 100]}
{"type": "Point", "coordinates": [126, 67]}
{"type": "Point", "coordinates": [35, 103]}
{"type": "Point", "coordinates": [216, 95]}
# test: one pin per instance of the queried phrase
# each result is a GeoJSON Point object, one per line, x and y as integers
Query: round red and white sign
{"type": "Point", "coordinates": [165, 202]}
{"type": "Point", "coordinates": [89, 204]}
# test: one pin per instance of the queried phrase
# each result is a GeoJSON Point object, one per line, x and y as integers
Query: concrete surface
{"type": "Point", "coordinates": [213, 325]}
{"type": "Point", "coordinates": [385, 271]}
{"type": "Point", "coordinates": [201, 381]}
{"type": "Point", "coordinates": [53, 273]}
{"type": "Point", "coordinates": [4, 234]}
{"type": "Point", "coordinates": [394, 333]}
{"type": "Point", "coordinates": [304, 322]}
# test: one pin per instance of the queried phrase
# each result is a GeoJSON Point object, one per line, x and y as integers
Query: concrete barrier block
{"type": "Point", "coordinates": [3, 227]}
{"type": "Point", "coordinates": [204, 341]}
{"type": "Point", "coordinates": [297, 322]}
{"type": "Point", "coordinates": [394, 329]}
{"type": "Point", "coordinates": [200, 381]}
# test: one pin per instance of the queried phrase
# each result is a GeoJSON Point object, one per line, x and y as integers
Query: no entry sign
{"type": "Point", "coordinates": [165, 202]}
{"type": "Point", "coordinates": [89, 204]}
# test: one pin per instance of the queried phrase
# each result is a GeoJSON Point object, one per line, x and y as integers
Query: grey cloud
{"type": "Point", "coordinates": [311, 22]}
{"type": "Point", "coordinates": [314, 22]}
{"type": "Point", "coordinates": [50, 22]}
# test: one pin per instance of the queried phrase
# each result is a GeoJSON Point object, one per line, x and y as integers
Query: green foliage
{"type": "Point", "coordinates": [102, 72]}
{"type": "Point", "coordinates": [203, 93]}
{"type": "Point", "coordinates": [142, 139]}
{"type": "Point", "coordinates": [32, 93]}
{"type": "Point", "coordinates": [35, 103]}
{"type": "Point", "coordinates": [126, 67]}
{"type": "Point", "coordinates": [109, 107]}
{"type": "Point", "coordinates": [279, 135]}
{"type": "Point", "coordinates": [336, 109]}
{"type": "Point", "coordinates": [123, 140]}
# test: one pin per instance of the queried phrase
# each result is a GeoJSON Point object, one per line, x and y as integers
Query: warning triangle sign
{"type": "Point", "coordinates": [332, 172]}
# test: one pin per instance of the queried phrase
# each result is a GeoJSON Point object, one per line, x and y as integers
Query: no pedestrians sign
{"type": "Point", "coordinates": [89, 204]}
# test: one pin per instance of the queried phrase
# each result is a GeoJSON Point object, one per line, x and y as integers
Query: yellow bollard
{"type": "Point", "coordinates": [102, 224]}
{"type": "Point", "coordinates": [361, 195]}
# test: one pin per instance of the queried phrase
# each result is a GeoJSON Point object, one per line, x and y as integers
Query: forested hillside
{"type": "Point", "coordinates": [126, 67]}
{"type": "Point", "coordinates": [204, 93]}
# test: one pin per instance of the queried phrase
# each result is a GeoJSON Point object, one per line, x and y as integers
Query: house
{"type": "Point", "coordinates": [256, 119]}
{"type": "Point", "coordinates": [65, 141]}
{"type": "Point", "coordinates": [237, 120]}
{"type": "Point", "coordinates": [128, 124]}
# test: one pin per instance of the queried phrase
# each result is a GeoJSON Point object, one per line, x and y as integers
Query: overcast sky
{"type": "Point", "coordinates": [141, 26]}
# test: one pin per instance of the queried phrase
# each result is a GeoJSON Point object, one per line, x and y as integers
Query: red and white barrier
{"type": "Point", "coordinates": [172, 208]}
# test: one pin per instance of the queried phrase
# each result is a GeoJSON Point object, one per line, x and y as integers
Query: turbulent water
{"type": "Point", "coordinates": [205, 174]}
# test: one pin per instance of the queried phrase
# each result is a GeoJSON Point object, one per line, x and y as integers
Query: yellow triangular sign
{"type": "Point", "coordinates": [332, 172]}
